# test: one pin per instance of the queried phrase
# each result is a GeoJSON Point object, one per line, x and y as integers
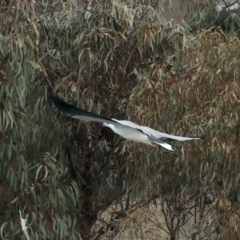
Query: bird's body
{"type": "Point", "coordinates": [124, 128]}
{"type": "Point", "coordinates": [133, 132]}
{"type": "Point", "coordinates": [127, 132]}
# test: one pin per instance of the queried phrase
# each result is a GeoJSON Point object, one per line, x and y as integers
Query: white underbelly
{"type": "Point", "coordinates": [131, 134]}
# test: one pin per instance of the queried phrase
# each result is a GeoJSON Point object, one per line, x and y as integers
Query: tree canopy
{"type": "Point", "coordinates": [127, 60]}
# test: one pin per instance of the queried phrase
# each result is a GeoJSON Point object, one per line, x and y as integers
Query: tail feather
{"type": "Point", "coordinates": [165, 145]}
{"type": "Point", "coordinates": [159, 142]}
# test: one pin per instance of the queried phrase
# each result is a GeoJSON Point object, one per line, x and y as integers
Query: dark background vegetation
{"type": "Point", "coordinates": [127, 60]}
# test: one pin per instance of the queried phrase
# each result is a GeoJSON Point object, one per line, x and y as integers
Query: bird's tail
{"type": "Point", "coordinates": [165, 145]}
{"type": "Point", "coordinates": [157, 141]}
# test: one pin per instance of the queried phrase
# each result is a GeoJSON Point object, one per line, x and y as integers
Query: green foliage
{"type": "Point", "coordinates": [120, 60]}
{"type": "Point", "coordinates": [207, 13]}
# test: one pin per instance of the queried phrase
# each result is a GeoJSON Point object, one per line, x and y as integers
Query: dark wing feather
{"type": "Point", "coordinates": [74, 112]}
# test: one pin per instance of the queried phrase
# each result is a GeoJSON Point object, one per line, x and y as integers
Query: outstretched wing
{"type": "Point", "coordinates": [150, 136]}
{"type": "Point", "coordinates": [127, 123]}
{"type": "Point", "coordinates": [165, 136]}
{"type": "Point", "coordinates": [151, 132]}
{"type": "Point", "coordinates": [78, 113]}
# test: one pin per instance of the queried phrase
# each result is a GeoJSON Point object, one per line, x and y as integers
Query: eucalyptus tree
{"type": "Point", "coordinates": [123, 60]}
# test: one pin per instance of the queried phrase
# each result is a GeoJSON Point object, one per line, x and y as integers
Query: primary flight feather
{"type": "Point", "coordinates": [125, 129]}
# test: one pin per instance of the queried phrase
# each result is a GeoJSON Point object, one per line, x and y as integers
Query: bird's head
{"type": "Point", "coordinates": [108, 125]}
{"type": "Point", "coordinates": [105, 124]}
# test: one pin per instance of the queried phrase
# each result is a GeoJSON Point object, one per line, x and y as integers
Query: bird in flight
{"type": "Point", "coordinates": [124, 128]}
